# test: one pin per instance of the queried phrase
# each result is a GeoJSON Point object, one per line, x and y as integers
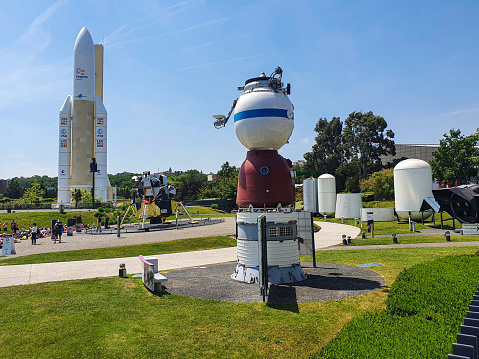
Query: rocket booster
{"type": "Point", "coordinates": [64, 151]}
{"type": "Point", "coordinates": [101, 147]}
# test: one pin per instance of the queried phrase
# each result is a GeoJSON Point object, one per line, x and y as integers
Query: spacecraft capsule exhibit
{"type": "Point", "coordinates": [264, 121]}
{"type": "Point", "coordinates": [263, 117]}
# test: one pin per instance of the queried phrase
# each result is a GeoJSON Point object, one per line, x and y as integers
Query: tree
{"type": "Point", "coordinates": [365, 138]}
{"type": "Point", "coordinates": [77, 196]}
{"type": "Point", "coordinates": [189, 185]}
{"type": "Point", "coordinates": [14, 190]}
{"type": "Point", "coordinates": [224, 186]}
{"type": "Point", "coordinates": [34, 194]}
{"type": "Point", "coordinates": [381, 183]}
{"type": "Point", "coordinates": [327, 154]}
{"type": "Point", "coordinates": [456, 159]}
{"type": "Point", "coordinates": [351, 150]}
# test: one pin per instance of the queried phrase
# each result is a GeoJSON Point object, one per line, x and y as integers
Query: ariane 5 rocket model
{"type": "Point", "coordinates": [264, 122]}
{"type": "Point", "coordinates": [83, 125]}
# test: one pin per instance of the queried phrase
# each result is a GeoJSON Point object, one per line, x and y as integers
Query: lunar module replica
{"type": "Point", "coordinates": [264, 121]}
{"type": "Point", "coordinates": [460, 202]}
{"type": "Point", "coordinates": [153, 199]}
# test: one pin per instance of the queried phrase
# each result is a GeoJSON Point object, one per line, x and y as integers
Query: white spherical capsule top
{"type": "Point", "coordinates": [264, 118]}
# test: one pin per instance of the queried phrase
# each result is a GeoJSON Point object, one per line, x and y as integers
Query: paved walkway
{"type": "Point", "coordinates": [329, 235]}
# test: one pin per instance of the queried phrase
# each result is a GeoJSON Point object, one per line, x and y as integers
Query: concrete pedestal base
{"type": "Point", "coordinates": [276, 275]}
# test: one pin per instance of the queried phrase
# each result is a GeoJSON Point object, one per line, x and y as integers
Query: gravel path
{"type": "Point", "coordinates": [326, 282]}
{"type": "Point", "coordinates": [88, 241]}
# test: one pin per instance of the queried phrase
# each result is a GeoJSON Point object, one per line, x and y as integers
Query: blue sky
{"type": "Point", "coordinates": [170, 65]}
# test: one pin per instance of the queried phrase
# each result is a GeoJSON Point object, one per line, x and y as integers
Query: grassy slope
{"type": "Point", "coordinates": [119, 318]}
{"type": "Point", "coordinates": [44, 219]}
{"type": "Point", "coordinates": [413, 239]}
{"type": "Point", "coordinates": [180, 245]}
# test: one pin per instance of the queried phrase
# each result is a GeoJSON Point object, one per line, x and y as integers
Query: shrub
{"type": "Point", "coordinates": [214, 206]}
{"type": "Point", "coordinates": [425, 307]}
{"type": "Point", "coordinates": [381, 184]}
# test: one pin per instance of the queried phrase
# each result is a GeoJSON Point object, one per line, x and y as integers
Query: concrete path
{"type": "Point", "coordinates": [331, 234]}
{"type": "Point", "coordinates": [53, 272]}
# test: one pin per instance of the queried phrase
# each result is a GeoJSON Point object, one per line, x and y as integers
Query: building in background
{"type": "Point", "coordinates": [421, 152]}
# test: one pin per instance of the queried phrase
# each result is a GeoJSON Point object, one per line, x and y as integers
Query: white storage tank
{"type": "Point", "coordinates": [348, 205]}
{"type": "Point", "coordinates": [310, 195]}
{"type": "Point", "coordinates": [412, 184]}
{"type": "Point", "coordinates": [326, 194]}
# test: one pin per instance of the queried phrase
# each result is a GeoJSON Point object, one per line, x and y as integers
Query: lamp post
{"type": "Point", "coordinates": [93, 169]}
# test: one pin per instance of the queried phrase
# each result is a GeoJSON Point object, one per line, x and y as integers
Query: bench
{"type": "Point", "coordinates": [151, 278]}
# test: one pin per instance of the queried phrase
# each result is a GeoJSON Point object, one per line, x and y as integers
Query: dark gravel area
{"type": "Point", "coordinates": [326, 282]}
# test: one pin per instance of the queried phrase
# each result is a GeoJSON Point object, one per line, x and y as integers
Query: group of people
{"type": "Point", "coordinates": [34, 232]}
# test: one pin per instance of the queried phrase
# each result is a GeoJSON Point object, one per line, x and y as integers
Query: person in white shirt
{"type": "Point", "coordinates": [34, 233]}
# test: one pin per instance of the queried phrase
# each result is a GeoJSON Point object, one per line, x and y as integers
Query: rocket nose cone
{"type": "Point", "coordinates": [84, 42]}
{"type": "Point", "coordinates": [67, 107]}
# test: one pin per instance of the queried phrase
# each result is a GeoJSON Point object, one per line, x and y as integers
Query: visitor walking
{"type": "Point", "coordinates": [5, 227]}
{"type": "Point", "coordinates": [34, 233]}
{"type": "Point", "coordinates": [58, 231]}
{"type": "Point", "coordinates": [16, 231]}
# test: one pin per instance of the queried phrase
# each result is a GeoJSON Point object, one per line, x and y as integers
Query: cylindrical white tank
{"type": "Point", "coordinates": [348, 205]}
{"type": "Point", "coordinates": [412, 184]}
{"type": "Point", "coordinates": [310, 195]}
{"type": "Point", "coordinates": [326, 194]}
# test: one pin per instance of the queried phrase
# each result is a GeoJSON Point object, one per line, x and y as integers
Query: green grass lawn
{"type": "Point", "coordinates": [412, 239]}
{"type": "Point", "coordinates": [44, 219]}
{"type": "Point", "coordinates": [393, 227]}
{"type": "Point", "coordinates": [119, 318]}
{"type": "Point", "coordinates": [180, 245]}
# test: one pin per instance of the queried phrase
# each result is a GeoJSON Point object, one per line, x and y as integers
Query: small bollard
{"type": "Point", "coordinates": [122, 273]}
{"type": "Point", "coordinates": [342, 219]}
{"type": "Point", "coordinates": [395, 240]}
{"type": "Point", "coordinates": [447, 234]}
{"type": "Point", "coordinates": [413, 226]}
{"type": "Point", "coordinates": [356, 221]}
{"type": "Point", "coordinates": [350, 240]}
{"type": "Point", "coordinates": [345, 242]}
{"type": "Point", "coordinates": [325, 216]}
{"type": "Point", "coordinates": [363, 235]}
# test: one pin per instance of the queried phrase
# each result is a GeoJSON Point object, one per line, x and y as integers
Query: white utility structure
{"type": "Point", "coordinates": [326, 194]}
{"type": "Point", "coordinates": [310, 195]}
{"type": "Point", "coordinates": [412, 185]}
{"type": "Point", "coordinates": [348, 205]}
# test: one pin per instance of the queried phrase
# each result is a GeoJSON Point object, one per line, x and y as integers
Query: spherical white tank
{"type": "Point", "coordinates": [326, 194]}
{"type": "Point", "coordinates": [263, 116]}
{"type": "Point", "coordinates": [310, 195]}
{"type": "Point", "coordinates": [348, 205]}
{"type": "Point", "coordinates": [412, 184]}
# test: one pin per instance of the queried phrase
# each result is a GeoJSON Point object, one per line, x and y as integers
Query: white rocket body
{"type": "Point", "coordinates": [83, 111]}
{"type": "Point", "coordinates": [85, 129]}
